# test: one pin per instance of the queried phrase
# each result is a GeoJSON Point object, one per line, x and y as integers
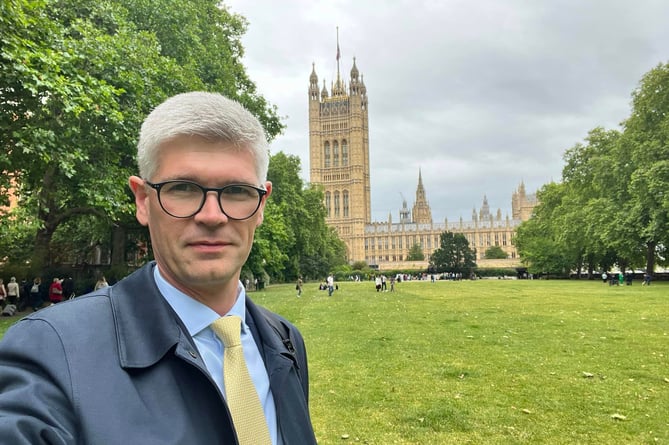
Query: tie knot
{"type": "Point", "coordinates": [228, 330]}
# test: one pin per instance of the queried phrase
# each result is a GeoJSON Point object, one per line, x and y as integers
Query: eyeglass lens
{"type": "Point", "coordinates": [183, 199]}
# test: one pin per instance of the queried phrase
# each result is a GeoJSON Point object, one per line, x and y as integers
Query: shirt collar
{"type": "Point", "coordinates": [195, 315]}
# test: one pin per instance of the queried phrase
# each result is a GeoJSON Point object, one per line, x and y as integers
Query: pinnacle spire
{"type": "Point", "coordinates": [338, 82]}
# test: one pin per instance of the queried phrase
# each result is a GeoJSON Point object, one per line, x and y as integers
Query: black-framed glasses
{"type": "Point", "coordinates": [183, 199]}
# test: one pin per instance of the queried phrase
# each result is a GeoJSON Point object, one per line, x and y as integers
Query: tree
{"type": "Point", "coordinates": [77, 77]}
{"type": "Point", "coordinates": [495, 252]}
{"type": "Point", "coordinates": [294, 238]}
{"type": "Point", "coordinates": [359, 265]}
{"type": "Point", "coordinates": [591, 199]}
{"type": "Point", "coordinates": [453, 255]}
{"type": "Point", "coordinates": [585, 219]}
{"type": "Point", "coordinates": [52, 112]}
{"type": "Point", "coordinates": [416, 253]}
{"type": "Point", "coordinates": [647, 143]}
{"type": "Point", "coordinates": [539, 240]}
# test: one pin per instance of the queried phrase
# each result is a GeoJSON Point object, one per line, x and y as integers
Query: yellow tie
{"type": "Point", "coordinates": [240, 393]}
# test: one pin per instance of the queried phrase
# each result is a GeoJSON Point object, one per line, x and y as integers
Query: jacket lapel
{"type": "Point", "coordinates": [141, 312]}
{"type": "Point", "coordinates": [278, 360]}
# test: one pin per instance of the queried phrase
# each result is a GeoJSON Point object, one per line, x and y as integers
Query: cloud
{"type": "Point", "coordinates": [478, 95]}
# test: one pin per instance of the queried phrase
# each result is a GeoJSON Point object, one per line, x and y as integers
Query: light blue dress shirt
{"type": "Point", "coordinates": [197, 317]}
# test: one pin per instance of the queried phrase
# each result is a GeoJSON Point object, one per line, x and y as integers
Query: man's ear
{"type": "Point", "coordinates": [141, 199]}
{"type": "Point", "coordinates": [261, 210]}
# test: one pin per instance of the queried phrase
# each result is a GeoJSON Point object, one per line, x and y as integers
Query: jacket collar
{"type": "Point", "coordinates": [141, 312]}
{"type": "Point", "coordinates": [146, 326]}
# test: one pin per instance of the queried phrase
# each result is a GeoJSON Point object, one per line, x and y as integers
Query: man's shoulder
{"type": "Point", "coordinates": [88, 308]}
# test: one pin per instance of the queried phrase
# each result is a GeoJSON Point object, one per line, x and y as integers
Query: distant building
{"type": "Point", "coordinates": [11, 194]}
{"type": "Point", "coordinates": [339, 162]}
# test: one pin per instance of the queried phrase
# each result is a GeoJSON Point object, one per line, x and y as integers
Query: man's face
{"type": "Point", "coordinates": [203, 253]}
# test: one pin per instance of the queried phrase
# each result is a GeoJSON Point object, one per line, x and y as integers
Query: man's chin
{"type": "Point", "coordinates": [206, 275]}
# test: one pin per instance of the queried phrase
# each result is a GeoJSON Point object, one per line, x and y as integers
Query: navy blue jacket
{"type": "Point", "coordinates": [118, 367]}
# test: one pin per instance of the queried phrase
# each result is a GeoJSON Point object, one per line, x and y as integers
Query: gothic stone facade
{"type": "Point", "coordinates": [339, 162]}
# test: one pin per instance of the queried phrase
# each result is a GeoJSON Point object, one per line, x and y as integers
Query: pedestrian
{"type": "Point", "coordinates": [102, 282]}
{"type": "Point", "coordinates": [3, 294]}
{"type": "Point", "coordinates": [24, 295]}
{"type": "Point", "coordinates": [55, 291]}
{"type": "Point", "coordinates": [36, 294]}
{"type": "Point", "coordinates": [330, 283]}
{"type": "Point", "coordinates": [298, 286]}
{"type": "Point", "coordinates": [392, 283]}
{"type": "Point", "coordinates": [68, 288]}
{"type": "Point", "coordinates": [144, 359]}
{"type": "Point", "coordinates": [13, 291]}
{"type": "Point", "coordinates": [377, 283]}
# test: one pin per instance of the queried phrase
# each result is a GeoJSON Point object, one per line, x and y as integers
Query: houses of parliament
{"type": "Point", "coordinates": [339, 162]}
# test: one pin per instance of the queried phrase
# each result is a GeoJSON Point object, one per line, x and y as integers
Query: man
{"type": "Point", "coordinates": [330, 282]}
{"type": "Point", "coordinates": [140, 362]}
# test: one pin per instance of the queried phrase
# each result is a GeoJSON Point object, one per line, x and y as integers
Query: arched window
{"type": "Point", "coordinates": [327, 154]}
{"type": "Point", "coordinates": [335, 154]}
{"type": "Point", "coordinates": [336, 204]}
{"type": "Point", "coordinates": [327, 203]}
{"type": "Point", "coordinates": [344, 153]}
{"type": "Point", "coordinates": [345, 197]}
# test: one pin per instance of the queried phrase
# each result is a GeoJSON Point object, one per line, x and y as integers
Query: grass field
{"type": "Point", "coordinates": [484, 362]}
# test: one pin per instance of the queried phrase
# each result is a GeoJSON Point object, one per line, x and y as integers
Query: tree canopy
{"type": "Point", "coordinates": [612, 206]}
{"type": "Point", "coordinates": [495, 253]}
{"type": "Point", "coordinates": [294, 239]}
{"type": "Point", "coordinates": [416, 253]}
{"type": "Point", "coordinates": [77, 78]}
{"type": "Point", "coordinates": [453, 255]}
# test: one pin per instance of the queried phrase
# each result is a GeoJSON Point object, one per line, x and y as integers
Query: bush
{"type": "Point", "coordinates": [496, 272]}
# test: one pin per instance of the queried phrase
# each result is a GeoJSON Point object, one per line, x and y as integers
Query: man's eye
{"type": "Point", "coordinates": [181, 187]}
{"type": "Point", "coordinates": [235, 190]}
{"type": "Point", "coordinates": [240, 192]}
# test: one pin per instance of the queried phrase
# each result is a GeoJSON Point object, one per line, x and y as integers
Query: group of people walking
{"type": "Point", "coordinates": [381, 283]}
{"type": "Point", "coordinates": [17, 297]}
{"type": "Point", "coordinates": [618, 279]}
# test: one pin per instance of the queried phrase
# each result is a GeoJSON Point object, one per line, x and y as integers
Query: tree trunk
{"type": "Point", "coordinates": [650, 257]}
{"type": "Point", "coordinates": [41, 255]}
{"type": "Point", "coordinates": [118, 246]}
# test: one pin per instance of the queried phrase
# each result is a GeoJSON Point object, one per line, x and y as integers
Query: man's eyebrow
{"type": "Point", "coordinates": [217, 183]}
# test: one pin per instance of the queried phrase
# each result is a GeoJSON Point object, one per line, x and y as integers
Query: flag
{"type": "Point", "coordinates": [338, 52]}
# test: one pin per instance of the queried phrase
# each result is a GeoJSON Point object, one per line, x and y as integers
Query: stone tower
{"type": "Point", "coordinates": [421, 209]}
{"type": "Point", "coordinates": [339, 154]}
{"type": "Point", "coordinates": [522, 203]}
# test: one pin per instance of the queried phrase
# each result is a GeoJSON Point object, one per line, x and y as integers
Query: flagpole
{"type": "Point", "coordinates": [338, 54]}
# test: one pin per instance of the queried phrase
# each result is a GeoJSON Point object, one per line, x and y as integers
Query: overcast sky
{"type": "Point", "coordinates": [477, 94]}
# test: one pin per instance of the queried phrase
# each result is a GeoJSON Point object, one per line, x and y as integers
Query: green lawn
{"type": "Point", "coordinates": [484, 362]}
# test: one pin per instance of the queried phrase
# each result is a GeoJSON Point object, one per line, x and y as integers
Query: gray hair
{"type": "Point", "coordinates": [207, 115]}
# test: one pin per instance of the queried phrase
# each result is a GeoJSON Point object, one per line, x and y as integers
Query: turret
{"type": "Point", "coordinates": [354, 86]}
{"type": "Point", "coordinates": [324, 92]}
{"type": "Point", "coordinates": [313, 83]}
{"type": "Point", "coordinates": [485, 210]}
